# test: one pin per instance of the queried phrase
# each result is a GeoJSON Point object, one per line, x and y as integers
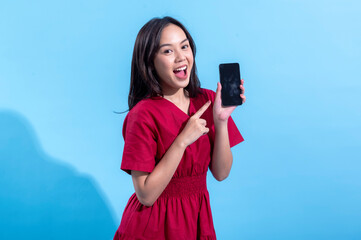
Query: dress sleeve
{"type": "Point", "coordinates": [234, 135]}
{"type": "Point", "coordinates": [140, 145]}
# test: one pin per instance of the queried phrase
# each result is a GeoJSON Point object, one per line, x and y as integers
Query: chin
{"type": "Point", "coordinates": [185, 83]}
{"type": "Point", "coordinates": [176, 84]}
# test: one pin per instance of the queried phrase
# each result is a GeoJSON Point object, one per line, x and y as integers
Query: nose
{"type": "Point", "coordinates": [179, 56]}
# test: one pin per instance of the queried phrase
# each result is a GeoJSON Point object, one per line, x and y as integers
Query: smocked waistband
{"type": "Point", "coordinates": [183, 186]}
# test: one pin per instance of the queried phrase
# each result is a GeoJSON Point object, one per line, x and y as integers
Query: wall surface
{"type": "Point", "coordinates": [65, 68]}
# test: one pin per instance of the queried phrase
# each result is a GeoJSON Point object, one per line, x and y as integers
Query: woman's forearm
{"type": "Point", "coordinates": [149, 189]}
{"type": "Point", "coordinates": [222, 156]}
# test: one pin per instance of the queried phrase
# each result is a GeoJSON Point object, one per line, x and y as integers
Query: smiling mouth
{"type": "Point", "coordinates": [181, 72]}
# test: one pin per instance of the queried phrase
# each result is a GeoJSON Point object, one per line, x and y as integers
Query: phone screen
{"type": "Point", "coordinates": [230, 81]}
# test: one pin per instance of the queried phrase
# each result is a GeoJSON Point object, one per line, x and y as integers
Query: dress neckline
{"type": "Point", "coordinates": [190, 106]}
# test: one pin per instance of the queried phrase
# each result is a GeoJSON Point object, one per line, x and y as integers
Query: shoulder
{"type": "Point", "coordinates": [206, 94]}
{"type": "Point", "coordinates": [148, 107]}
{"type": "Point", "coordinates": [143, 112]}
{"type": "Point", "coordinates": [143, 107]}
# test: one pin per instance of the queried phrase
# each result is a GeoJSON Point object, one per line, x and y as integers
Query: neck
{"type": "Point", "coordinates": [177, 97]}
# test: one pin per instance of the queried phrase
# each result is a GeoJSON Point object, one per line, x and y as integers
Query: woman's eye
{"type": "Point", "coordinates": [167, 51]}
{"type": "Point", "coordinates": [185, 46]}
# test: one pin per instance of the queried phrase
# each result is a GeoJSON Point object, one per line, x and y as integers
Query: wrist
{"type": "Point", "coordinates": [180, 143]}
{"type": "Point", "coordinates": [219, 124]}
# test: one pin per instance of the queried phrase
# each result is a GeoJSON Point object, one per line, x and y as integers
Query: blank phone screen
{"type": "Point", "coordinates": [230, 80]}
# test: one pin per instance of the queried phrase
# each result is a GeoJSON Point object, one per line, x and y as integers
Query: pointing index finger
{"type": "Point", "coordinates": [199, 113]}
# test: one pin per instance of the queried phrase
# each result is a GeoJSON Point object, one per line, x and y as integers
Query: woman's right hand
{"type": "Point", "coordinates": [195, 127]}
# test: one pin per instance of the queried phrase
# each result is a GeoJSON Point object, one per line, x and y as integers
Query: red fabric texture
{"type": "Point", "coordinates": [183, 209]}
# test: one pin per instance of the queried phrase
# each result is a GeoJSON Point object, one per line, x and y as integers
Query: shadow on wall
{"type": "Point", "coordinates": [39, 197]}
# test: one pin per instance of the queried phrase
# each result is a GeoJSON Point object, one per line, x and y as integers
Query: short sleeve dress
{"type": "Point", "coordinates": [183, 209]}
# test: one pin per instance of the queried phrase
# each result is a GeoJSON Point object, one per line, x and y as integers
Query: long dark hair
{"type": "Point", "coordinates": [144, 81]}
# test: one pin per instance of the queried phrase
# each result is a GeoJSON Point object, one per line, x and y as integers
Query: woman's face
{"type": "Point", "coordinates": [174, 59]}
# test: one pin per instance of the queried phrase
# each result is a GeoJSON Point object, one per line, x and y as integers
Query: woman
{"type": "Point", "coordinates": [173, 132]}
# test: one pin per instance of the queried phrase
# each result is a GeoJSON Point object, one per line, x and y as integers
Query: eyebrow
{"type": "Point", "coordinates": [167, 44]}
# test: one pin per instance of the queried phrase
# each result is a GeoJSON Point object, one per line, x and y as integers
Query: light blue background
{"type": "Point", "coordinates": [65, 67]}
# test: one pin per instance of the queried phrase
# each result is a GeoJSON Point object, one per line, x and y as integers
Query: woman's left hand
{"type": "Point", "coordinates": [221, 113]}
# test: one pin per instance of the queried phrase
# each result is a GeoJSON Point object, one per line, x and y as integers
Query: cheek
{"type": "Point", "coordinates": [159, 67]}
{"type": "Point", "coordinates": [190, 56]}
{"type": "Point", "coordinates": [190, 59]}
{"type": "Point", "coordinates": [162, 65]}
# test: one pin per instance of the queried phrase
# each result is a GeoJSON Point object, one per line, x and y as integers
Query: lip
{"type": "Point", "coordinates": [185, 76]}
{"type": "Point", "coordinates": [185, 65]}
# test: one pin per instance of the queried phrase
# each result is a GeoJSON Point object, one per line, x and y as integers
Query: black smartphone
{"type": "Point", "coordinates": [230, 81]}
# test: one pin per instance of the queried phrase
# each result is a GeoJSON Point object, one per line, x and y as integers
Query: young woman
{"type": "Point", "coordinates": [173, 132]}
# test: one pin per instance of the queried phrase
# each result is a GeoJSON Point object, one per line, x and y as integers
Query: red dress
{"type": "Point", "coordinates": [183, 210]}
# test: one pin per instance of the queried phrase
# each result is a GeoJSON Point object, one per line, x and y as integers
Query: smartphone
{"type": "Point", "coordinates": [230, 81]}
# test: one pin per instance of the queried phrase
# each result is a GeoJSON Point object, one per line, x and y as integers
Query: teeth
{"type": "Point", "coordinates": [181, 69]}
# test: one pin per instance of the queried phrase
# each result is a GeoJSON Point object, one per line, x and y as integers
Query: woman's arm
{"type": "Point", "coordinates": [222, 158]}
{"type": "Point", "coordinates": [149, 186]}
